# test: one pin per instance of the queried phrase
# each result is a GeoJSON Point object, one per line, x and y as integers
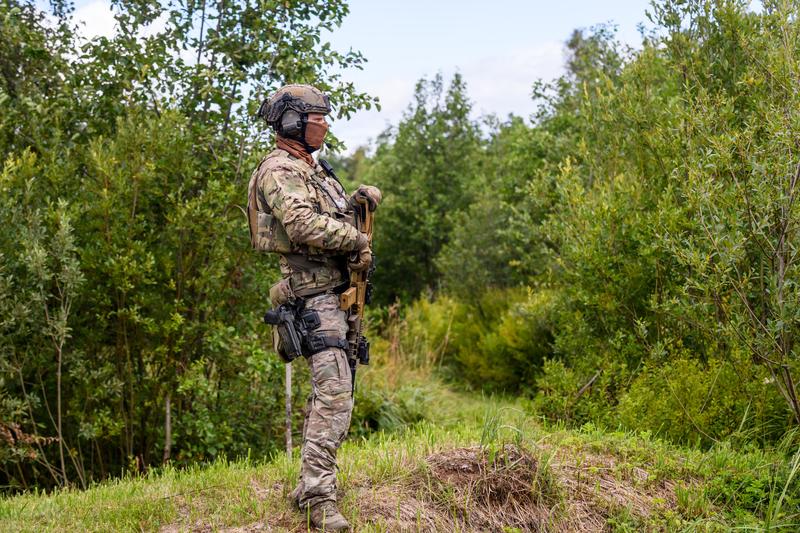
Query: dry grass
{"type": "Point", "coordinates": [433, 477]}
{"type": "Point", "coordinates": [398, 508]}
{"type": "Point", "coordinates": [486, 489]}
{"type": "Point", "coordinates": [480, 489]}
{"type": "Point", "coordinates": [598, 485]}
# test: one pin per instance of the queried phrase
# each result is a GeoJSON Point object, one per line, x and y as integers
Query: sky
{"type": "Point", "coordinates": [501, 47]}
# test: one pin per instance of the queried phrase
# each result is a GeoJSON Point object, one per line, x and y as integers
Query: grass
{"type": "Point", "coordinates": [476, 463]}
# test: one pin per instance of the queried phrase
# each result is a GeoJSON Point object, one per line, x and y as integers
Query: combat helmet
{"type": "Point", "coordinates": [287, 108]}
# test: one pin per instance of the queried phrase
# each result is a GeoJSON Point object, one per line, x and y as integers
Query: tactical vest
{"type": "Point", "coordinates": [309, 267]}
{"type": "Point", "coordinates": [266, 232]}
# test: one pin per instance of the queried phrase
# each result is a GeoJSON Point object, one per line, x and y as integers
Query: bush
{"type": "Point", "coordinates": [497, 342]}
{"type": "Point", "coordinates": [511, 353]}
{"type": "Point", "coordinates": [378, 409]}
{"type": "Point", "coordinates": [690, 402]}
{"type": "Point", "coordinates": [579, 396]}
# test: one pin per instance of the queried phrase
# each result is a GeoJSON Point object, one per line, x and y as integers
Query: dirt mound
{"type": "Point", "coordinates": [480, 489]}
{"type": "Point", "coordinates": [487, 489]}
{"type": "Point", "coordinates": [507, 488]}
{"type": "Point", "coordinates": [465, 489]}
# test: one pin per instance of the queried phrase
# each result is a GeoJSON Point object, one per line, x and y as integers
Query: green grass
{"type": "Point", "coordinates": [632, 482]}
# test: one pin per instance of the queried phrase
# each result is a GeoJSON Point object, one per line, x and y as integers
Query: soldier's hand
{"type": "Point", "coordinates": [360, 260]}
{"type": "Point", "coordinates": [369, 193]}
{"type": "Point", "coordinates": [361, 257]}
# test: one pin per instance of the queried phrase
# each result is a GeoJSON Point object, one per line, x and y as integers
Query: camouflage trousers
{"type": "Point", "coordinates": [329, 407]}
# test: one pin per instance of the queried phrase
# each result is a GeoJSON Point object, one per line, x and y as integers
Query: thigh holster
{"type": "Point", "coordinates": [296, 327]}
{"type": "Point", "coordinates": [313, 342]}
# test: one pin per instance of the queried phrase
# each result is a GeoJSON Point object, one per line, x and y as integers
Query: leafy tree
{"type": "Point", "coordinates": [740, 178]}
{"type": "Point", "coordinates": [498, 241]}
{"type": "Point", "coordinates": [132, 335]}
{"type": "Point", "coordinates": [649, 210]}
{"type": "Point", "coordinates": [427, 170]}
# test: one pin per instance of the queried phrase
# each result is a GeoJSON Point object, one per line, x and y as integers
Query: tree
{"type": "Point", "coordinates": [427, 170]}
{"type": "Point", "coordinates": [136, 147]}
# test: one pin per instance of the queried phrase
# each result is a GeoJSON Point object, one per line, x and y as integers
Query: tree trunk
{"type": "Point", "coordinates": [167, 428]}
{"type": "Point", "coordinates": [289, 410]}
{"type": "Point", "coordinates": [58, 417]}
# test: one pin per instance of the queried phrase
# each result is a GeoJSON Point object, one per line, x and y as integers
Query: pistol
{"type": "Point", "coordinates": [284, 319]}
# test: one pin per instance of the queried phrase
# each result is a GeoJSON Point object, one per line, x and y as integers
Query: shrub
{"type": "Point", "coordinates": [499, 341]}
{"type": "Point", "coordinates": [378, 409]}
{"type": "Point", "coordinates": [687, 401]}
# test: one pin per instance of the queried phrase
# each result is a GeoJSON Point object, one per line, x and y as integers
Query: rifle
{"type": "Point", "coordinates": [357, 295]}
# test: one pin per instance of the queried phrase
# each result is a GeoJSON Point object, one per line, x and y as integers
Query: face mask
{"type": "Point", "coordinates": [315, 134]}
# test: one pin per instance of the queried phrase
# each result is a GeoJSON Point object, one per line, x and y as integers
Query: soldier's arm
{"type": "Point", "coordinates": [287, 196]}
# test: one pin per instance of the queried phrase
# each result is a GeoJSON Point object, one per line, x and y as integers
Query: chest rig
{"type": "Point", "coordinates": [328, 196]}
{"type": "Point", "coordinates": [325, 194]}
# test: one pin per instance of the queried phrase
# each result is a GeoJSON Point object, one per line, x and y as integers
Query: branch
{"type": "Point", "coordinates": [587, 385]}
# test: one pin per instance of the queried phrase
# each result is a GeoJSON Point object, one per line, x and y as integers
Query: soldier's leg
{"type": "Point", "coordinates": [328, 418]}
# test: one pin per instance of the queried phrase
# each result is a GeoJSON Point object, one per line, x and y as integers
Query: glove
{"type": "Point", "coordinates": [361, 257]}
{"type": "Point", "coordinates": [369, 193]}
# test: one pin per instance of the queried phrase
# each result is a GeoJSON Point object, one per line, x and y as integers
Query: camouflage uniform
{"type": "Point", "coordinates": [311, 221]}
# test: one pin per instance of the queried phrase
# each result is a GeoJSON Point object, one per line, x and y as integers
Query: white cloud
{"type": "Point", "coordinates": [364, 126]}
{"type": "Point", "coordinates": [496, 84]}
{"type": "Point", "coordinates": [502, 84]}
{"type": "Point", "coordinates": [96, 18]}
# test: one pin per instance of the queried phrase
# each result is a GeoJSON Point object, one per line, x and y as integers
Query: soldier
{"type": "Point", "coordinates": [299, 210]}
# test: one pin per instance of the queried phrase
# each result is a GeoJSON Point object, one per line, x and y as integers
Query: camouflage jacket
{"type": "Point", "coordinates": [304, 215]}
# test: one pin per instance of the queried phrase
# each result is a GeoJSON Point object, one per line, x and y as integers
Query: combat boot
{"type": "Point", "coordinates": [326, 517]}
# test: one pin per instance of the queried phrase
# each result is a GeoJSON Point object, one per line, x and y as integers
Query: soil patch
{"type": "Point", "coordinates": [553, 489]}
{"type": "Point", "coordinates": [479, 489]}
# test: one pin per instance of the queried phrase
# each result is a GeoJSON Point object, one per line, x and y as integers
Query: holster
{"type": "Point", "coordinates": [289, 331]}
{"type": "Point", "coordinates": [295, 328]}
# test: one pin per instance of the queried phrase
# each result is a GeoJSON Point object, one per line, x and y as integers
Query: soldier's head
{"type": "Point", "coordinates": [298, 112]}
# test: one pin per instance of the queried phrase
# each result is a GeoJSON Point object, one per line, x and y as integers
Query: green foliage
{"type": "Point", "coordinates": [649, 207]}
{"type": "Point", "coordinates": [378, 409]}
{"type": "Point", "coordinates": [497, 241]}
{"type": "Point", "coordinates": [693, 403]}
{"type": "Point", "coordinates": [430, 327]}
{"type": "Point", "coordinates": [426, 172]}
{"type": "Point", "coordinates": [497, 343]}
{"type": "Point", "coordinates": [129, 293]}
